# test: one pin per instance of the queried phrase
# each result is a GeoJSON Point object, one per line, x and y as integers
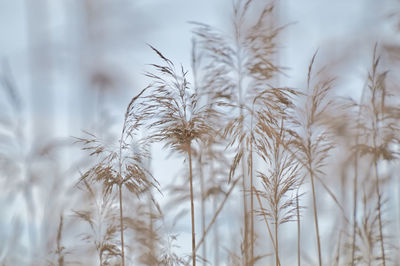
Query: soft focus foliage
{"type": "Point", "coordinates": [238, 160]}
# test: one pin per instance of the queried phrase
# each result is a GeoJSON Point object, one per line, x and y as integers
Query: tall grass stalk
{"type": "Point", "coordinates": [376, 85]}
{"type": "Point", "coordinates": [355, 178]}
{"type": "Point", "coordinates": [123, 167]}
{"type": "Point", "coordinates": [178, 118]}
{"type": "Point", "coordinates": [101, 217]}
{"type": "Point", "coordinates": [268, 226]}
{"type": "Point", "coordinates": [189, 147]}
{"type": "Point", "coordinates": [314, 139]}
{"type": "Point", "coordinates": [217, 212]}
{"type": "Point", "coordinates": [241, 64]}
{"type": "Point", "coordinates": [196, 58]}
{"type": "Point", "coordinates": [298, 229]}
{"type": "Point", "coordinates": [282, 179]}
{"type": "Point", "coordinates": [378, 122]}
{"type": "Point", "coordinates": [310, 161]}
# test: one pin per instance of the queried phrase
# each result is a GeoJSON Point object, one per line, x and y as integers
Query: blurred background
{"type": "Point", "coordinates": [72, 66]}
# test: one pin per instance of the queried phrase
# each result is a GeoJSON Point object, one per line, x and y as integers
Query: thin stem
{"type": "Point", "coordinates": [268, 227]}
{"type": "Point", "coordinates": [251, 199]}
{"type": "Point", "coordinates": [203, 215]}
{"type": "Point", "coordinates": [310, 171]}
{"type": "Point", "coordinates": [202, 193]}
{"type": "Point", "coordinates": [213, 220]}
{"type": "Point", "coordinates": [192, 204]}
{"type": "Point", "coordinates": [120, 201]}
{"type": "Point", "coordinates": [379, 212]}
{"type": "Point", "coordinates": [240, 97]}
{"type": "Point", "coordinates": [121, 225]}
{"type": "Point", "coordinates": [355, 189]}
{"type": "Point", "coordinates": [276, 242]}
{"type": "Point", "coordinates": [353, 245]}
{"type": "Point", "coordinates": [245, 211]}
{"type": "Point", "coordinates": [298, 227]}
{"type": "Point", "coordinates": [375, 129]}
{"type": "Point", "coordinates": [151, 226]}
{"type": "Point", "coordinates": [216, 235]}
{"type": "Point", "coordinates": [316, 217]}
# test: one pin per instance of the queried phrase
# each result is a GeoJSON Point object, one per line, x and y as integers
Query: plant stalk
{"type": "Point", "coordinates": [268, 227]}
{"type": "Point", "coordinates": [310, 171]}
{"type": "Point", "coordinates": [203, 214]}
{"type": "Point", "coordinates": [192, 204]}
{"type": "Point", "coordinates": [316, 217]}
{"type": "Point", "coordinates": [121, 225]}
{"type": "Point", "coordinates": [353, 245]}
{"type": "Point", "coordinates": [378, 193]}
{"type": "Point", "coordinates": [298, 227]}
{"type": "Point", "coordinates": [251, 205]}
{"type": "Point", "coordinates": [217, 212]}
{"type": "Point", "coordinates": [276, 243]}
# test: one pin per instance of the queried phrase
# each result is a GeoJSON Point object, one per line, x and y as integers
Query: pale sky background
{"type": "Point", "coordinates": [114, 41]}
{"type": "Point", "coordinates": [341, 28]}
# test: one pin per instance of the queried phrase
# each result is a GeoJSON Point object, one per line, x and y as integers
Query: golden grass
{"type": "Point", "coordinates": [257, 156]}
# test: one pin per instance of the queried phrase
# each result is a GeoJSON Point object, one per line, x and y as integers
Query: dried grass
{"type": "Point", "coordinates": [233, 125]}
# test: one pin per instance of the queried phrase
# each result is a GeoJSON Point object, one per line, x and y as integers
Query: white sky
{"type": "Point", "coordinates": [340, 29]}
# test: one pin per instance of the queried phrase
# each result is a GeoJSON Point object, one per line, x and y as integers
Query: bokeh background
{"type": "Point", "coordinates": [70, 66]}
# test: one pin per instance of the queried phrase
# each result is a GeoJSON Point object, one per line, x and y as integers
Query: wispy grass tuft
{"type": "Point", "coordinates": [177, 118]}
{"type": "Point", "coordinates": [121, 166]}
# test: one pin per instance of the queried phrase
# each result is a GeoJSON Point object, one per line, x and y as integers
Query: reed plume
{"type": "Point", "coordinates": [282, 178]}
{"type": "Point", "coordinates": [313, 136]}
{"type": "Point", "coordinates": [100, 215]}
{"type": "Point", "coordinates": [177, 118]}
{"type": "Point", "coordinates": [240, 64]}
{"type": "Point", "coordinates": [121, 166]}
{"type": "Point", "coordinates": [378, 122]}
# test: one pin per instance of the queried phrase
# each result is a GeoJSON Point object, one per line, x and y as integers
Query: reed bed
{"type": "Point", "coordinates": [268, 174]}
